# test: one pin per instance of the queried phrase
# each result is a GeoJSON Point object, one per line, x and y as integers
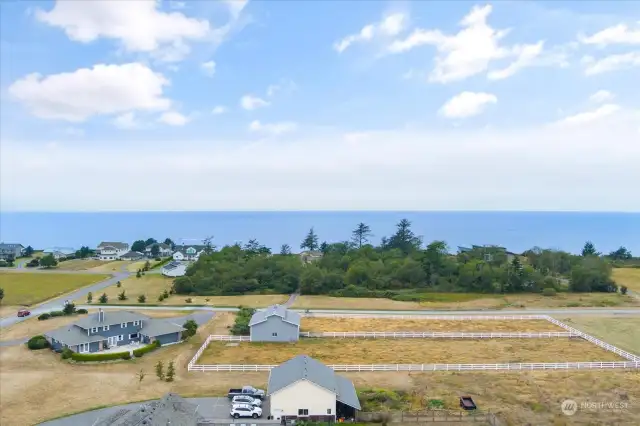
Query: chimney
{"type": "Point", "coordinates": [100, 315]}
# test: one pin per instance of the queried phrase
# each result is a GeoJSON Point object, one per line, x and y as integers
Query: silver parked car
{"type": "Point", "coordinates": [246, 399]}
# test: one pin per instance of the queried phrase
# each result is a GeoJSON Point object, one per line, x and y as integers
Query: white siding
{"type": "Point", "coordinates": [302, 394]}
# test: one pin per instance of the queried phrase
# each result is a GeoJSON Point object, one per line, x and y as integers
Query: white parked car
{"type": "Point", "coordinates": [245, 410]}
{"type": "Point", "coordinates": [246, 399]}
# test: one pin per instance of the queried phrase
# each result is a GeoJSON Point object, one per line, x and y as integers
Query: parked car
{"type": "Point", "coordinates": [245, 410]}
{"type": "Point", "coordinates": [24, 313]}
{"type": "Point", "coordinates": [246, 390]}
{"type": "Point", "coordinates": [246, 399]}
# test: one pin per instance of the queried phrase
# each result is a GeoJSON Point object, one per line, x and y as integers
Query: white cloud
{"type": "Point", "coordinates": [594, 115]}
{"type": "Point", "coordinates": [601, 96]}
{"type": "Point", "coordinates": [619, 34]}
{"type": "Point", "coordinates": [220, 109]}
{"type": "Point", "coordinates": [74, 131]}
{"type": "Point", "coordinates": [610, 63]}
{"type": "Point", "coordinates": [250, 102]}
{"type": "Point", "coordinates": [467, 104]}
{"type": "Point", "coordinates": [209, 68]}
{"type": "Point", "coordinates": [391, 25]}
{"type": "Point", "coordinates": [285, 86]}
{"type": "Point", "coordinates": [138, 25]}
{"type": "Point", "coordinates": [173, 118]}
{"type": "Point", "coordinates": [471, 50]}
{"type": "Point", "coordinates": [101, 90]}
{"type": "Point", "coordinates": [126, 121]}
{"type": "Point", "coordinates": [368, 175]}
{"type": "Point", "coordinates": [272, 129]}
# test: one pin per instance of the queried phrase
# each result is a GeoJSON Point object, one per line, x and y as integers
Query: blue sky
{"type": "Point", "coordinates": [320, 105]}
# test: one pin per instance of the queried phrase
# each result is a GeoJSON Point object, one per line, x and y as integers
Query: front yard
{"type": "Point", "coordinates": [22, 288]}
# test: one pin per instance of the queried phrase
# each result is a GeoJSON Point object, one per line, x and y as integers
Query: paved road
{"type": "Point", "coordinates": [58, 303]}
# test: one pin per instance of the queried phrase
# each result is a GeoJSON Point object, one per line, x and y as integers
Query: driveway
{"type": "Point", "coordinates": [214, 410]}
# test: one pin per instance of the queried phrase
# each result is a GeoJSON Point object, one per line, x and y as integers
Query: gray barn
{"type": "Point", "coordinates": [275, 324]}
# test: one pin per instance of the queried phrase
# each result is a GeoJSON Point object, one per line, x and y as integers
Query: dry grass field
{"type": "Point", "coordinates": [152, 285]}
{"type": "Point", "coordinates": [110, 267]}
{"type": "Point", "coordinates": [27, 289]}
{"type": "Point", "coordinates": [571, 300]}
{"type": "Point", "coordinates": [382, 324]}
{"type": "Point", "coordinates": [33, 326]}
{"type": "Point", "coordinates": [409, 351]}
{"type": "Point", "coordinates": [8, 310]}
{"type": "Point", "coordinates": [39, 379]}
{"type": "Point", "coordinates": [139, 264]}
{"type": "Point", "coordinates": [86, 264]}
{"type": "Point", "coordinates": [628, 276]}
{"type": "Point", "coordinates": [621, 332]}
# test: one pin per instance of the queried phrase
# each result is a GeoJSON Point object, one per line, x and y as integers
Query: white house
{"type": "Point", "coordinates": [174, 269]}
{"type": "Point", "coordinates": [60, 252]}
{"type": "Point", "coordinates": [164, 250]}
{"type": "Point", "coordinates": [111, 251]}
{"type": "Point", "coordinates": [187, 252]}
{"type": "Point", "coordinates": [304, 388]}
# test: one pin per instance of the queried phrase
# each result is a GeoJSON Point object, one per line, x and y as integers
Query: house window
{"type": "Point", "coordinates": [136, 323]}
{"type": "Point", "coordinates": [120, 338]}
{"type": "Point", "coordinates": [328, 410]}
{"type": "Point", "coordinates": [303, 411]}
{"type": "Point", "coordinates": [123, 325]}
{"type": "Point", "coordinates": [133, 336]}
{"type": "Point", "coordinates": [94, 330]}
{"type": "Point", "coordinates": [274, 334]}
{"type": "Point", "coordinates": [105, 328]}
{"type": "Point", "coordinates": [83, 347]}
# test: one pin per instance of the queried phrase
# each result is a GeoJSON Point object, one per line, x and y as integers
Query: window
{"type": "Point", "coordinates": [136, 323]}
{"type": "Point", "coordinates": [133, 336]}
{"type": "Point", "coordinates": [83, 347]}
{"type": "Point", "coordinates": [274, 334]}
{"type": "Point", "coordinates": [120, 338]}
{"type": "Point", "coordinates": [105, 328]}
{"type": "Point", "coordinates": [94, 330]}
{"type": "Point", "coordinates": [328, 410]}
{"type": "Point", "coordinates": [123, 325]}
{"type": "Point", "coordinates": [303, 411]}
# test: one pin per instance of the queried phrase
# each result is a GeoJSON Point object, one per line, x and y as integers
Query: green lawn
{"type": "Point", "coordinates": [30, 288]}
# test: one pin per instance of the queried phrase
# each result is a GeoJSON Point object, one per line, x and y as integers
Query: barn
{"type": "Point", "coordinates": [275, 324]}
{"type": "Point", "coordinates": [304, 388]}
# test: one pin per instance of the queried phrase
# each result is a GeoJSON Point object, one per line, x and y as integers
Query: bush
{"type": "Point", "coordinates": [99, 357]}
{"type": "Point", "coordinates": [549, 291]}
{"type": "Point", "coordinates": [188, 300]}
{"type": "Point", "coordinates": [122, 296]}
{"type": "Point", "coordinates": [57, 313]}
{"type": "Point", "coordinates": [623, 289]}
{"type": "Point", "coordinates": [190, 329]}
{"type": "Point", "coordinates": [158, 259]}
{"type": "Point", "coordinates": [37, 342]}
{"type": "Point", "coordinates": [241, 326]}
{"type": "Point", "coordinates": [161, 298]}
{"type": "Point", "coordinates": [142, 298]}
{"type": "Point", "coordinates": [44, 316]}
{"type": "Point", "coordinates": [66, 353]}
{"type": "Point", "coordinates": [104, 298]}
{"type": "Point", "coordinates": [146, 349]}
{"type": "Point", "coordinates": [165, 293]}
{"type": "Point", "coordinates": [3, 263]}
{"type": "Point", "coordinates": [82, 311]}
{"type": "Point", "coordinates": [69, 308]}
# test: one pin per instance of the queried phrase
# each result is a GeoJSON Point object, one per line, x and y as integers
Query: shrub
{"type": "Point", "coordinates": [160, 298]}
{"type": "Point", "coordinates": [165, 293]}
{"type": "Point", "coordinates": [623, 289]}
{"type": "Point", "coordinates": [549, 291]}
{"type": "Point", "coordinates": [146, 349]}
{"type": "Point", "coordinates": [104, 298]}
{"type": "Point", "coordinates": [44, 316]}
{"type": "Point", "coordinates": [188, 300]}
{"type": "Point", "coordinates": [99, 357]}
{"type": "Point", "coordinates": [57, 313]}
{"type": "Point", "coordinates": [171, 371]}
{"type": "Point", "coordinates": [138, 274]}
{"type": "Point", "coordinates": [118, 284]}
{"type": "Point", "coordinates": [37, 342]}
{"type": "Point", "coordinates": [241, 325]}
{"type": "Point", "coordinates": [142, 298]}
{"type": "Point", "coordinates": [66, 353]}
{"type": "Point", "coordinates": [82, 311]}
{"type": "Point", "coordinates": [69, 308]}
{"type": "Point", "coordinates": [190, 328]}
{"type": "Point", "coordinates": [158, 259]}
{"type": "Point", "coordinates": [89, 297]}
{"type": "Point", "coordinates": [122, 296]}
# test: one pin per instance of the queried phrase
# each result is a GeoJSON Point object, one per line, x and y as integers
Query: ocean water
{"type": "Point", "coordinates": [517, 231]}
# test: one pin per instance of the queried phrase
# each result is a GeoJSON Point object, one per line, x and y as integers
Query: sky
{"type": "Point", "coordinates": [312, 105]}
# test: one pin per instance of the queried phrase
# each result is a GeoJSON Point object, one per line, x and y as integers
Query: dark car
{"type": "Point", "coordinates": [23, 313]}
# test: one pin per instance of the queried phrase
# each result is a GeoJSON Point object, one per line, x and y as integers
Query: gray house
{"type": "Point", "coordinates": [100, 331]}
{"type": "Point", "coordinates": [275, 324]}
{"type": "Point", "coordinates": [10, 250]}
{"type": "Point", "coordinates": [170, 410]}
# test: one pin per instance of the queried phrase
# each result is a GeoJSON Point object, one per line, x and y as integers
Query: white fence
{"type": "Point", "coordinates": [438, 367]}
{"type": "Point", "coordinates": [430, 317]}
{"type": "Point", "coordinates": [437, 334]}
{"type": "Point", "coordinates": [230, 338]}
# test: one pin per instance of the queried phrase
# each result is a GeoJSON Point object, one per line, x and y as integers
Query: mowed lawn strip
{"type": "Point", "coordinates": [153, 285]}
{"type": "Point", "coordinates": [84, 264]}
{"type": "Point", "coordinates": [621, 332]}
{"type": "Point", "coordinates": [409, 351]}
{"type": "Point", "coordinates": [382, 324]}
{"type": "Point", "coordinates": [29, 288]}
{"type": "Point", "coordinates": [629, 277]}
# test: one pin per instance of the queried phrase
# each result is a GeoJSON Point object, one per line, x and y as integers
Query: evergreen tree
{"type": "Point", "coordinates": [361, 234]}
{"type": "Point", "coordinates": [310, 242]}
{"type": "Point", "coordinates": [285, 249]}
{"type": "Point", "coordinates": [589, 249]}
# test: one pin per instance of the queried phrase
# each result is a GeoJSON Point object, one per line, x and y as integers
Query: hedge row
{"type": "Point", "coordinates": [100, 357]}
{"type": "Point", "coordinates": [47, 315]}
{"type": "Point", "coordinates": [146, 349]}
{"type": "Point", "coordinates": [37, 342]}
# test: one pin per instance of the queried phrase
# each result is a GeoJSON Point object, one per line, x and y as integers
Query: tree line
{"type": "Point", "coordinates": [400, 267]}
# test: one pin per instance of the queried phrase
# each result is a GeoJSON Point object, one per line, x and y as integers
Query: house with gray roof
{"type": "Point", "coordinates": [132, 255]}
{"type": "Point", "coordinates": [174, 269]}
{"type": "Point", "coordinates": [164, 250]}
{"type": "Point", "coordinates": [8, 251]}
{"type": "Point", "coordinates": [108, 250]}
{"type": "Point", "coordinates": [171, 410]}
{"type": "Point", "coordinates": [187, 252]}
{"type": "Point", "coordinates": [305, 388]}
{"type": "Point", "coordinates": [275, 324]}
{"type": "Point", "coordinates": [102, 330]}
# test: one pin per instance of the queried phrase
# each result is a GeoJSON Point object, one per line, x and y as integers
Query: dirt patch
{"type": "Point", "coordinates": [381, 324]}
{"type": "Point", "coordinates": [410, 351]}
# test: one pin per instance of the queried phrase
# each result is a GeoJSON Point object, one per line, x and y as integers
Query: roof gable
{"type": "Point", "coordinates": [110, 318]}
{"type": "Point", "coordinates": [275, 310]}
{"type": "Point", "coordinates": [119, 246]}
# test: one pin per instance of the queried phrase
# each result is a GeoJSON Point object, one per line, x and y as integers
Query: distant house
{"type": "Point", "coordinates": [275, 324]}
{"type": "Point", "coordinates": [310, 256]}
{"type": "Point", "coordinates": [186, 252]}
{"type": "Point", "coordinates": [102, 330]}
{"type": "Point", "coordinates": [164, 250]}
{"type": "Point", "coordinates": [488, 252]}
{"type": "Point", "coordinates": [174, 269]}
{"type": "Point", "coordinates": [10, 250]}
{"type": "Point", "coordinates": [60, 252]}
{"type": "Point", "coordinates": [132, 255]}
{"type": "Point", "coordinates": [171, 410]}
{"type": "Point", "coordinates": [306, 389]}
{"type": "Point", "coordinates": [111, 250]}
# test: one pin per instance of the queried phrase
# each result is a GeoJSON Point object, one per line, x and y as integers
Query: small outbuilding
{"type": "Point", "coordinates": [275, 324]}
{"type": "Point", "coordinates": [306, 389]}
